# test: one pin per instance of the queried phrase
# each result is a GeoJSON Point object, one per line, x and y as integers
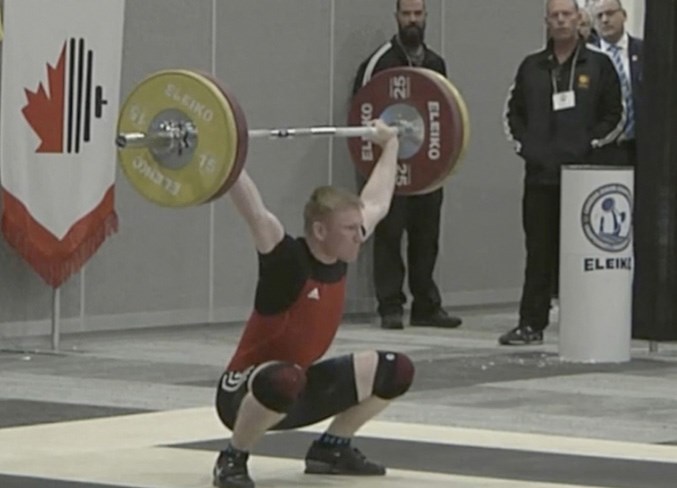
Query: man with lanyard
{"type": "Point", "coordinates": [418, 215]}
{"type": "Point", "coordinates": [626, 53]}
{"type": "Point", "coordinates": [563, 108]}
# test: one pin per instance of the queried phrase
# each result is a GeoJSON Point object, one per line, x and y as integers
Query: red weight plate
{"type": "Point", "coordinates": [402, 92]}
{"type": "Point", "coordinates": [460, 137]}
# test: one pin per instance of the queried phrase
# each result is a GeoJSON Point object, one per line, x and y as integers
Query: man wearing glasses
{"type": "Point", "coordinates": [626, 53]}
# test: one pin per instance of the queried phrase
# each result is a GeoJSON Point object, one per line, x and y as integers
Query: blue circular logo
{"type": "Point", "coordinates": [607, 217]}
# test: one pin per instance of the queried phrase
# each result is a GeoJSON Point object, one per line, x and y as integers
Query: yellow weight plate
{"type": "Point", "coordinates": [242, 139]}
{"type": "Point", "coordinates": [196, 98]}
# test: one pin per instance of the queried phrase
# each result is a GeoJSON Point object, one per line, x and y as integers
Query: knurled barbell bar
{"type": "Point", "coordinates": [183, 138]}
{"type": "Point", "coordinates": [174, 135]}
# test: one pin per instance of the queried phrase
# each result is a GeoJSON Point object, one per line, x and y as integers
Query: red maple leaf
{"type": "Point", "coordinates": [44, 112]}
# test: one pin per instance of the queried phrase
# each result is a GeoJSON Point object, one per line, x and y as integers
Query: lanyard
{"type": "Point", "coordinates": [571, 77]}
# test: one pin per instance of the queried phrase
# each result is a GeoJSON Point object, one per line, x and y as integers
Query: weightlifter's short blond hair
{"type": "Point", "coordinates": [324, 201]}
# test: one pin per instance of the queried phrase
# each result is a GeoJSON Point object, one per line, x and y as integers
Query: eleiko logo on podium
{"type": "Point", "coordinates": [62, 118]}
{"type": "Point", "coordinates": [606, 217]}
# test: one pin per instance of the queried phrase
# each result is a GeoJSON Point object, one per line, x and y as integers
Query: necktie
{"type": "Point", "coordinates": [629, 130]}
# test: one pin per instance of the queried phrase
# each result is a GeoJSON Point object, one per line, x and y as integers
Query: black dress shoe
{"type": "Point", "coordinates": [439, 318]}
{"type": "Point", "coordinates": [392, 321]}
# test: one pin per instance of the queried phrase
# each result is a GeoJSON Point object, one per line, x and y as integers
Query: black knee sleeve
{"type": "Point", "coordinates": [278, 385]}
{"type": "Point", "coordinates": [394, 375]}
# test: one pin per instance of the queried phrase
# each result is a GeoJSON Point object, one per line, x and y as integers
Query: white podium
{"type": "Point", "coordinates": [596, 264]}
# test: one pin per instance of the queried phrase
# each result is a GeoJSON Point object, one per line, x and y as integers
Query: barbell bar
{"type": "Point", "coordinates": [186, 133]}
{"type": "Point", "coordinates": [313, 131]}
{"type": "Point", "coordinates": [183, 138]}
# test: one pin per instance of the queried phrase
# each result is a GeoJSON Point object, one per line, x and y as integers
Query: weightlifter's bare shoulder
{"type": "Point", "coordinates": [265, 227]}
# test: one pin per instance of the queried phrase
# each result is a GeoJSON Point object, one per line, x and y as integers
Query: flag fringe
{"type": "Point", "coordinates": [52, 268]}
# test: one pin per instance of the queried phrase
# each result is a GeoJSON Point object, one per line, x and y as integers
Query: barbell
{"type": "Point", "coordinates": [182, 136]}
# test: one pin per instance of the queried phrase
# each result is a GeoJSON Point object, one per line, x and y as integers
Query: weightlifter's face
{"type": "Point", "coordinates": [343, 237]}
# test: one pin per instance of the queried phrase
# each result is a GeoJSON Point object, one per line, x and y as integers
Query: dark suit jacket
{"type": "Point", "coordinates": [635, 47]}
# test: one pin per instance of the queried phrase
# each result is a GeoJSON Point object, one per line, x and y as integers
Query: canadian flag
{"type": "Point", "coordinates": [60, 98]}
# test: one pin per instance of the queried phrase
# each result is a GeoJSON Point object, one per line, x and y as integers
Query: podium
{"type": "Point", "coordinates": [596, 264]}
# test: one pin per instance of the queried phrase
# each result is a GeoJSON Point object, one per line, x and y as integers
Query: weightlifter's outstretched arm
{"type": "Point", "coordinates": [263, 224]}
{"type": "Point", "coordinates": [378, 191]}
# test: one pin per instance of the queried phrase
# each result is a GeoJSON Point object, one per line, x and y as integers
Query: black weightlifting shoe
{"type": "Point", "coordinates": [440, 318]}
{"type": "Point", "coordinates": [230, 470]}
{"type": "Point", "coordinates": [522, 335]}
{"type": "Point", "coordinates": [345, 460]}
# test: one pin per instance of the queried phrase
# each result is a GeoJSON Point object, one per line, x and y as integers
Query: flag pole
{"type": "Point", "coordinates": [56, 312]}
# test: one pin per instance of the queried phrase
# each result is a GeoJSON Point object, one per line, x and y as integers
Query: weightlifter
{"type": "Point", "coordinates": [276, 379]}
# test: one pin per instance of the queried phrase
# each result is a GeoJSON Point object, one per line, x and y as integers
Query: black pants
{"type": "Point", "coordinates": [419, 216]}
{"type": "Point", "coordinates": [630, 148]}
{"type": "Point", "coordinates": [541, 220]}
{"type": "Point", "coordinates": [330, 389]}
{"type": "Point", "coordinates": [624, 153]}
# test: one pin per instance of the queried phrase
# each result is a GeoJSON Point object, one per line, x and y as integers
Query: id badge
{"type": "Point", "coordinates": [564, 100]}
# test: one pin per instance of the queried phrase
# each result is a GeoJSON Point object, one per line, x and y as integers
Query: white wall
{"type": "Point", "coordinates": [635, 23]}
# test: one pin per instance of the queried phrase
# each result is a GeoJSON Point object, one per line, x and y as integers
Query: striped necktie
{"type": "Point", "coordinates": [629, 130]}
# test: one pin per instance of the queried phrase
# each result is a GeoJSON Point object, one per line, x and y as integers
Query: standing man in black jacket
{"type": "Point", "coordinates": [564, 107]}
{"type": "Point", "coordinates": [419, 215]}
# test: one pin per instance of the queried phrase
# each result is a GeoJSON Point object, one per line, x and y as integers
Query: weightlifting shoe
{"type": "Point", "coordinates": [344, 460]}
{"type": "Point", "coordinates": [522, 335]}
{"type": "Point", "coordinates": [440, 318]}
{"type": "Point", "coordinates": [392, 321]}
{"type": "Point", "coordinates": [230, 470]}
